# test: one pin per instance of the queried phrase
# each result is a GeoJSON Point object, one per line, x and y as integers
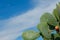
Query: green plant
{"type": "Point", "coordinates": [48, 24]}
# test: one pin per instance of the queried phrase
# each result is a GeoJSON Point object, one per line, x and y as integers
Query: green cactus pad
{"type": "Point", "coordinates": [57, 35]}
{"type": "Point", "coordinates": [30, 35]}
{"type": "Point", "coordinates": [56, 12]}
{"type": "Point", "coordinates": [47, 17]}
{"type": "Point", "coordinates": [43, 28]}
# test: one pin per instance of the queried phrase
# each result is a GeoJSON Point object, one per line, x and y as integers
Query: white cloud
{"type": "Point", "coordinates": [19, 23]}
{"type": "Point", "coordinates": [13, 27]}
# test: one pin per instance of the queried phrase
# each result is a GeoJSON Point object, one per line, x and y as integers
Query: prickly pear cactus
{"type": "Point", "coordinates": [56, 12]}
{"type": "Point", "coordinates": [44, 29]}
{"type": "Point", "coordinates": [49, 18]}
{"type": "Point", "coordinates": [49, 27]}
{"type": "Point", "coordinates": [30, 35]}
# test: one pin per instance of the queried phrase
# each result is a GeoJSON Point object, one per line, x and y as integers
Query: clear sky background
{"type": "Point", "coordinates": [17, 16]}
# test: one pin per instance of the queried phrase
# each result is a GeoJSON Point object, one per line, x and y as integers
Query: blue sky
{"type": "Point", "coordinates": [10, 8]}
{"type": "Point", "coordinates": [19, 15]}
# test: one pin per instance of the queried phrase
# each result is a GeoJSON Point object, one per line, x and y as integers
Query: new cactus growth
{"type": "Point", "coordinates": [48, 24]}
{"type": "Point", "coordinates": [57, 28]}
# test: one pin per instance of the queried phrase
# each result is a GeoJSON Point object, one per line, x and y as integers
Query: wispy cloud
{"type": "Point", "coordinates": [13, 27]}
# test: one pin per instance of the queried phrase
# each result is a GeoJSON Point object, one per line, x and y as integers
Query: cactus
{"type": "Point", "coordinates": [30, 35]}
{"type": "Point", "coordinates": [49, 23]}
